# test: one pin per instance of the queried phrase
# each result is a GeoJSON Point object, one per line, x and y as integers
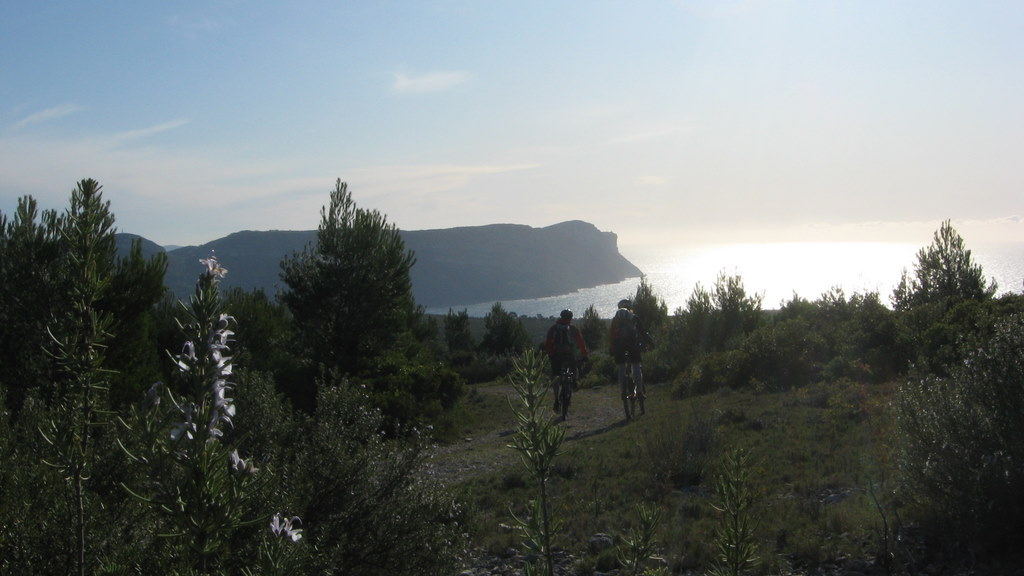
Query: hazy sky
{"type": "Point", "coordinates": [657, 120]}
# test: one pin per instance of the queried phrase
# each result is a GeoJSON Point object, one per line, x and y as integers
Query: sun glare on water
{"type": "Point", "coordinates": [777, 271]}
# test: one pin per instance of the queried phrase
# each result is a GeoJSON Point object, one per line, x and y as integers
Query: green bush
{"type": "Point", "coordinates": [365, 503]}
{"type": "Point", "coordinates": [411, 392]}
{"type": "Point", "coordinates": [962, 440]}
{"type": "Point", "coordinates": [713, 371]}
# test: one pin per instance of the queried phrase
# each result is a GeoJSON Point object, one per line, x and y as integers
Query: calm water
{"type": "Point", "coordinates": [776, 271]}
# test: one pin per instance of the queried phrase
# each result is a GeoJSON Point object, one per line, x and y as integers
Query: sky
{"type": "Point", "coordinates": [675, 121]}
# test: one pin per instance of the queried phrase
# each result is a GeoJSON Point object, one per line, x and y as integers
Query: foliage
{"type": "Point", "coordinates": [538, 439]}
{"type": "Point", "coordinates": [649, 307]}
{"type": "Point", "coordinates": [37, 286]}
{"type": "Point", "coordinates": [640, 541]}
{"type": "Point", "coordinates": [736, 544]}
{"type": "Point", "coordinates": [505, 334]}
{"type": "Point", "coordinates": [833, 337]}
{"type": "Point", "coordinates": [350, 293]}
{"type": "Point", "coordinates": [136, 284]}
{"type": "Point", "coordinates": [961, 439]}
{"type": "Point", "coordinates": [947, 301]}
{"type": "Point", "coordinates": [593, 328]}
{"type": "Point", "coordinates": [81, 334]}
{"type": "Point", "coordinates": [411, 393]}
{"type": "Point", "coordinates": [196, 479]}
{"type": "Point", "coordinates": [678, 450]}
{"type": "Point", "coordinates": [813, 455]}
{"type": "Point", "coordinates": [806, 386]}
{"type": "Point", "coordinates": [803, 342]}
{"type": "Point", "coordinates": [30, 288]}
{"type": "Point", "coordinates": [366, 504]}
{"type": "Point", "coordinates": [264, 345]}
{"type": "Point", "coordinates": [944, 274]}
{"type": "Point", "coordinates": [707, 339]}
{"type": "Point", "coordinates": [458, 338]}
{"type": "Point", "coordinates": [70, 310]}
{"type": "Point", "coordinates": [715, 320]}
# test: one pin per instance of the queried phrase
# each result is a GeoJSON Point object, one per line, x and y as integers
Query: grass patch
{"type": "Point", "coordinates": [814, 452]}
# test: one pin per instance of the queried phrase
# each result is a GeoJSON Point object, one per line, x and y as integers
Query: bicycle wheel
{"type": "Point", "coordinates": [565, 392]}
{"type": "Point", "coordinates": [632, 395]}
{"type": "Point", "coordinates": [628, 399]}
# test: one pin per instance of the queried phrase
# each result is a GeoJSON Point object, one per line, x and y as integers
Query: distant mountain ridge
{"type": "Point", "coordinates": [454, 266]}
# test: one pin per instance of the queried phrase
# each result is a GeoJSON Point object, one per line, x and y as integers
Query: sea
{"type": "Point", "coordinates": [775, 271]}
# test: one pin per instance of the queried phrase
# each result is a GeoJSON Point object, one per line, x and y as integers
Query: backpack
{"type": "Point", "coordinates": [562, 340]}
{"type": "Point", "coordinates": [625, 329]}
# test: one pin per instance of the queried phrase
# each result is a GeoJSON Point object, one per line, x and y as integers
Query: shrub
{"type": "Point", "coordinates": [678, 450]}
{"type": "Point", "coordinates": [365, 502]}
{"type": "Point", "coordinates": [713, 371]}
{"type": "Point", "coordinates": [411, 392]}
{"type": "Point", "coordinates": [962, 439]}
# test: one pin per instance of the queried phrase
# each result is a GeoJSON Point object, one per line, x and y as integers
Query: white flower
{"type": "Point", "coordinates": [153, 395]}
{"type": "Point", "coordinates": [213, 268]}
{"type": "Point", "coordinates": [284, 528]}
{"type": "Point", "coordinates": [187, 358]}
{"type": "Point", "coordinates": [240, 466]}
{"type": "Point", "coordinates": [186, 427]}
{"type": "Point", "coordinates": [222, 325]}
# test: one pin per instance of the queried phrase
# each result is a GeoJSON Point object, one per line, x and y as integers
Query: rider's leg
{"type": "Point", "coordinates": [555, 373]}
{"type": "Point", "coordinates": [623, 388]}
{"type": "Point", "coordinates": [641, 391]}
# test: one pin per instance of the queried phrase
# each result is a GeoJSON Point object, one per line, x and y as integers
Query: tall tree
{"type": "Point", "coordinates": [944, 274]}
{"type": "Point", "coordinates": [64, 297]}
{"type": "Point", "coordinates": [593, 328]}
{"type": "Point", "coordinates": [29, 291]}
{"type": "Point", "coordinates": [81, 333]}
{"type": "Point", "coordinates": [38, 285]}
{"type": "Point", "coordinates": [504, 332]}
{"type": "Point", "coordinates": [351, 292]}
{"type": "Point", "coordinates": [649, 307]}
{"type": "Point", "coordinates": [457, 334]}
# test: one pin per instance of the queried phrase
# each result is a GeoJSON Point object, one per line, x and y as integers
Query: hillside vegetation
{"type": "Point", "coordinates": [336, 429]}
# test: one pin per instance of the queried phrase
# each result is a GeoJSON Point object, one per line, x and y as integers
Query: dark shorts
{"type": "Point", "coordinates": [631, 354]}
{"type": "Point", "coordinates": [558, 362]}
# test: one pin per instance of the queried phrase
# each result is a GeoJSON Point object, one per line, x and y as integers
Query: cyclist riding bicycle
{"type": "Point", "coordinates": [624, 343]}
{"type": "Point", "coordinates": [561, 344]}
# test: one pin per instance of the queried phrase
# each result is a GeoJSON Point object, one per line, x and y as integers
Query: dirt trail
{"type": "Point", "coordinates": [593, 411]}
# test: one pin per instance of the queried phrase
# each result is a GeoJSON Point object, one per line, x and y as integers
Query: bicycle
{"type": "Point", "coordinates": [567, 382]}
{"type": "Point", "coordinates": [634, 394]}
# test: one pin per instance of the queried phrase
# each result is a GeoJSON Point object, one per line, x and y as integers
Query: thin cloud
{"type": "Point", "coordinates": [428, 179]}
{"type": "Point", "coordinates": [646, 134]}
{"type": "Point", "coordinates": [434, 82]}
{"type": "Point", "coordinates": [144, 132]}
{"type": "Point", "coordinates": [48, 115]}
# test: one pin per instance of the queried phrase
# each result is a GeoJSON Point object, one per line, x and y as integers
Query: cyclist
{"type": "Point", "coordinates": [624, 345]}
{"type": "Point", "coordinates": [561, 344]}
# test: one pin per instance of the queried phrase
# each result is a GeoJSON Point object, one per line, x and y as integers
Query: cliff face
{"type": "Point", "coordinates": [511, 262]}
{"type": "Point", "coordinates": [454, 266]}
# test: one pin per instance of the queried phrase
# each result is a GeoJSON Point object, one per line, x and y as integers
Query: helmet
{"type": "Point", "coordinates": [566, 314]}
{"type": "Point", "coordinates": [624, 303]}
